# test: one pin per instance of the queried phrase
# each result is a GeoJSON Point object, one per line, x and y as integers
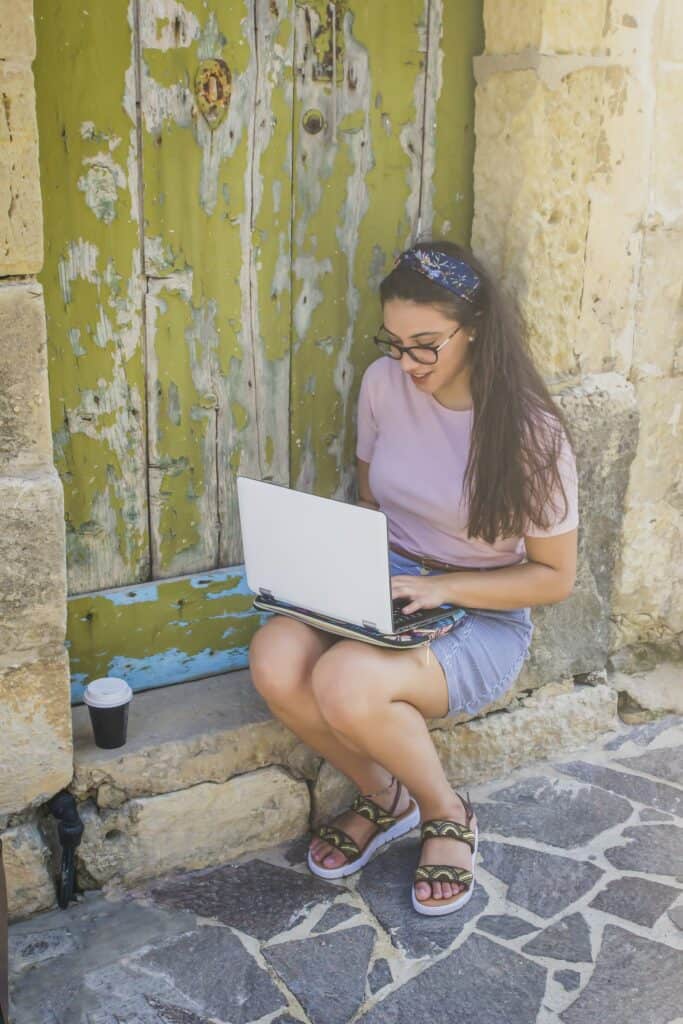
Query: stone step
{"type": "Point", "coordinates": [179, 736]}
{"type": "Point", "coordinates": [207, 773]}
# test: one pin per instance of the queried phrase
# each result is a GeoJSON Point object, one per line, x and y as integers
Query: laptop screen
{"type": "Point", "coordinates": [316, 553]}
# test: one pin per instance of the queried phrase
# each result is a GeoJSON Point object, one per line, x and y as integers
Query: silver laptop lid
{"type": "Point", "coordinates": [317, 553]}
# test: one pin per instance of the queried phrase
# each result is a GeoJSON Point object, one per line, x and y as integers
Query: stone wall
{"type": "Point", "coordinates": [579, 205]}
{"type": "Point", "coordinates": [36, 756]}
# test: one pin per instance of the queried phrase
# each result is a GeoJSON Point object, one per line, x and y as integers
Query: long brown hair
{"type": "Point", "coordinates": [512, 471]}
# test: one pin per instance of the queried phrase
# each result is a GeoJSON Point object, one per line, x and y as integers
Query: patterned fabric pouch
{"type": "Point", "coordinates": [436, 629]}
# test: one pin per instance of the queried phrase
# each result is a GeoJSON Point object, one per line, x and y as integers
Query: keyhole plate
{"type": "Point", "coordinates": [314, 122]}
{"type": "Point", "coordinates": [212, 86]}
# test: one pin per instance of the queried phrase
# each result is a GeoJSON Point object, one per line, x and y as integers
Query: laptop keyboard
{"type": "Point", "coordinates": [422, 614]}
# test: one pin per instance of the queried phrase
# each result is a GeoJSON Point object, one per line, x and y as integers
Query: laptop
{"type": "Point", "coordinates": [326, 562]}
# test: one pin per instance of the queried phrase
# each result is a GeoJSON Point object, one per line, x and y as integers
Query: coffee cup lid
{"type": "Point", "coordinates": [108, 692]}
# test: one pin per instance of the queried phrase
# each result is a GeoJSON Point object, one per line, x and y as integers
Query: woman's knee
{"type": "Point", "coordinates": [342, 681]}
{"type": "Point", "coordinates": [280, 659]}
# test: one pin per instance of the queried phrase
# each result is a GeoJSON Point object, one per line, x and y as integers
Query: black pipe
{"type": "Point", "coordinates": [70, 830]}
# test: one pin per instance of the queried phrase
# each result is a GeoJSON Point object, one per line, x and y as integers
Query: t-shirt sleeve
{"type": "Point", "coordinates": [367, 417]}
{"type": "Point", "coordinates": [561, 523]}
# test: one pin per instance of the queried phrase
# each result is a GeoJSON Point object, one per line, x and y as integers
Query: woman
{"type": "Point", "coordinates": [461, 445]}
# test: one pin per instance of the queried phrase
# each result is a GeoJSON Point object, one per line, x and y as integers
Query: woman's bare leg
{"type": "Point", "coordinates": [282, 657]}
{"type": "Point", "coordinates": [379, 699]}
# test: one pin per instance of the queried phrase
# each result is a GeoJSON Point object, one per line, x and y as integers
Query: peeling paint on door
{"type": "Point", "coordinates": [224, 187]}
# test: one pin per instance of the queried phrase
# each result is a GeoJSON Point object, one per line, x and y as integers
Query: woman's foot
{"type": "Point", "coordinates": [445, 851]}
{"type": "Point", "coordinates": [360, 829]}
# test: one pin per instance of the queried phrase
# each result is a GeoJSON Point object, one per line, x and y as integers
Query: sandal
{"type": "Point", "coordinates": [389, 827]}
{"type": "Point", "coordinates": [437, 828]}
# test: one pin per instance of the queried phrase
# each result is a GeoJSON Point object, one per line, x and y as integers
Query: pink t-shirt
{"type": "Point", "coordinates": [417, 450]}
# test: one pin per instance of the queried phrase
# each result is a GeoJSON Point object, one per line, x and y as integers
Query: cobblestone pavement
{"type": "Point", "coordinates": [577, 917]}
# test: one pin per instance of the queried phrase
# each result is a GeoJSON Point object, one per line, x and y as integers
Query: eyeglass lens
{"type": "Point", "coordinates": [421, 354]}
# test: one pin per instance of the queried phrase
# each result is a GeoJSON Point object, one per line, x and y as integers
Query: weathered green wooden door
{"type": "Point", "coordinates": [224, 186]}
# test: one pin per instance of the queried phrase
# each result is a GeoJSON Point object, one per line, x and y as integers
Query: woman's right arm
{"type": "Point", "coordinates": [365, 495]}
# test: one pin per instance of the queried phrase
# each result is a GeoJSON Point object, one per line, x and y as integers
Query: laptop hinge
{"type": "Point", "coordinates": [266, 593]}
{"type": "Point", "coordinates": [369, 625]}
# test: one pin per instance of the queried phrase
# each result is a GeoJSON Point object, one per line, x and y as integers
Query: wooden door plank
{"type": "Point", "coordinates": [356, 206]}
{"type": "Point", "coordinates": [266, 269]}
{"type": "Point", "coordinates": [217, 210]}
{"type": "Point", "coordinates": [92, 284]}
{"type": "Point", "coordinates": [456, 35]}
{"type": "Point", "coordinates": [162, 632]}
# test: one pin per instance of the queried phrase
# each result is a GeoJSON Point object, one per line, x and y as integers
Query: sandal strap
{"type": "Point", "coordinates": [341, 840]}
{"type": "Point", "coordinates": [443, 873]}
{"type": "Point", "coordinates": [442, 828]}
{"type": "Point", "coordinates": [373, 812]}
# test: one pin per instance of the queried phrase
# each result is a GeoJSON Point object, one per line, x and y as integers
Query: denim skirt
{"type": "Point", "coordinates": [483, 655]}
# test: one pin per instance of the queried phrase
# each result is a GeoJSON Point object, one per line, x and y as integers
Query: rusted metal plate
{"type": "Point", "coordinates": [93, 286]}
{"type": "Point", "coordinates": [212, 87]}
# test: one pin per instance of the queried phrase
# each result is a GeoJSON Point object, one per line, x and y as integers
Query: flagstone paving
{"type": "Point", "coordinates": [576, 917]}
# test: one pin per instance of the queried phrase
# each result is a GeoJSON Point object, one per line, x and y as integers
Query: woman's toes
{"type": "Point", "coordinates": [423, 890]}
{"type": "Point", "coordinates": [320, 851]}
{"type": "Point", "coordinates": [436, 890]}
{"type": "Point", "coordinates": [446, 890]}
{"type": "Point", "coordinates": [334, 859]}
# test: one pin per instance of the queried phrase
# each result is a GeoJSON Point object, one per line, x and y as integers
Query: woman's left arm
{"type": "Point", "coordinates": [546, 578]}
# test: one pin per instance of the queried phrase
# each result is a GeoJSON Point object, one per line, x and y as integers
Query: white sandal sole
{"type": "Point", "coordinates": [349, 868]}
{"type": "Point", "coordinates": [449, 906]}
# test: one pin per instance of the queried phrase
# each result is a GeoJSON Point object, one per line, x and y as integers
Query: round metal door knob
{"type": "Point", "coordinates": [314, 122]}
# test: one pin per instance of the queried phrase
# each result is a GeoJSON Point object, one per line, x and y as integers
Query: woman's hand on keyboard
{"type": "Point", "coordinates": [419, 592]}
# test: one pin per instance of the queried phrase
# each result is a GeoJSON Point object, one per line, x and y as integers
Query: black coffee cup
{"type": "Point", "coordinates": [108, 700]}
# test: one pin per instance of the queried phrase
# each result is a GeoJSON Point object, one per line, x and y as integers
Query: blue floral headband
{"type": "Point", "coordinates": [443, 269]}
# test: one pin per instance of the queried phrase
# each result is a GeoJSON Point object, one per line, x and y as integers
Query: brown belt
{"type": "Point", "coordinates": [428, 563]}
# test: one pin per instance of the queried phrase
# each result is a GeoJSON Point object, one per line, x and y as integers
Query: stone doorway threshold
{"type": "Point", "coordinates": [207, 774]}
{"type": "Point", "coordinates": [577, 917]}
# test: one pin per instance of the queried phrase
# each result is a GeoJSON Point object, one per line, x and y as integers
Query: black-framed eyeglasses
{"type": "Point", "coordinates": [426, 354]}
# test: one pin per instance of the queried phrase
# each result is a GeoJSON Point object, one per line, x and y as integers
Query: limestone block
{"type": "Point", "coordinates": [203, 731]}
{"type": "Point", "coordinates": [654, 470]}
{"type": "Point", "coordinates": [602, 414]}
{"type": "Point", "coordinates": [191, 828]}
{"type": "Point", "coordinates": [629, 31]}
{"type": "Point", "coordinates": [32, 565]}
{"type": "Point", "coordinates": [618, 194]}
{"type": "Point", "coordinates": [542, 726]}
{"type": "Point", "coordinates": [572, 637]}
{"type": "Point", "coordinates": [530, 223]}
{"type": "Point", "coordinates": [551, 26]}
{"type": "Point", "coordinates": [21, 216]}
{"type": "Point", "coordinates": [333, 793]}
{"type": "Point", "coordinates": [556, 718]}
{"type": "Point", "coordinates": [36, 752]}
{"type": "Point", "coordinates": [659, 346]}
{"type": "Point", "coordinates": [671, 38]}
{"type": "Point", "coordinates": [25, 438]}
{"type": "Point", "coordinates": [30, 887]}
{"type": "Point", "coordinates": [648, 602]}
{"type": "Point", "coordinates": [18, 37]}
{"type": "Point", "coordinates": [668, 143]}
{"type": "Point", "coordinates": [659, 691]}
